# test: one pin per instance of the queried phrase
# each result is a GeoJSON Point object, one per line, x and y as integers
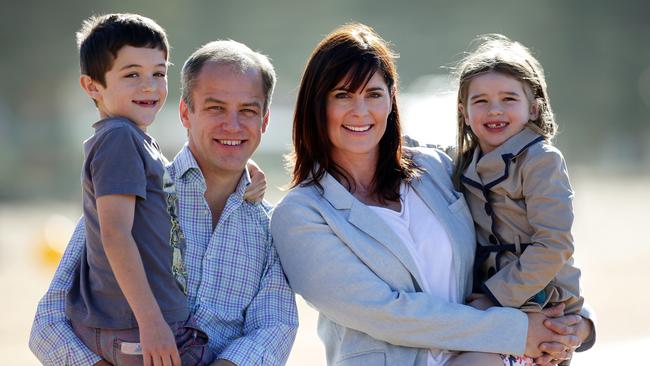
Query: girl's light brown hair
{"type": "Point", "coordinates": [497, 53]}
{"type": "Point", "coordinates": [352, 53]}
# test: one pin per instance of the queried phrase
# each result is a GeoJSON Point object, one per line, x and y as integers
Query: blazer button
{"type": "Point", "coordinates": [488, 209]}
{"type": "Point", "coordinates": [493, 239]}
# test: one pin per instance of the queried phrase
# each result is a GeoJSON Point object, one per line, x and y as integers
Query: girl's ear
{"type": "Point", "coordinates": [534, 110]}
{"type": "Point", "coordinates": [90, 87]}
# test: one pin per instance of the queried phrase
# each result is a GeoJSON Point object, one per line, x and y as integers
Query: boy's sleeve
{"type": "Point", "coordinates": [271, 321]}
{"type": "Point", "coordinates": [52, 339]}
{"type": "Point", "coordinates": [116, 165]}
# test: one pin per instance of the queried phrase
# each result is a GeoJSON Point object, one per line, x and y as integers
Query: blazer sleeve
{"type": "Point", "coordinates": [548, 196]}
{"type": "Point", "coordinates": [328, 275]}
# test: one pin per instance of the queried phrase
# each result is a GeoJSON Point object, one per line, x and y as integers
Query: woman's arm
{"type": "Point", "coordinates": [323, 269]}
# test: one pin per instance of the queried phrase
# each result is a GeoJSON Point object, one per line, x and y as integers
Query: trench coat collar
{"type": "Point", "coordinates": [492, 168]}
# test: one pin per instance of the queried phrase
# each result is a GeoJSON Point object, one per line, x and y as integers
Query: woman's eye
{"type": "Point", "coordinates": [341, 95]}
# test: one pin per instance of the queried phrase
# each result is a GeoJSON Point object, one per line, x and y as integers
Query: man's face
{"type": "Point", "coordinates": [227, 120]}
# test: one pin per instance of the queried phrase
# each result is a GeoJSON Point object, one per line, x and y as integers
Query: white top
{"type": "Point", "coordinates": [429, 245]}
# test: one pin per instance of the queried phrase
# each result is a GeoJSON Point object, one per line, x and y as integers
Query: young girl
{"type": "Point", "coordinates": [516, 184]}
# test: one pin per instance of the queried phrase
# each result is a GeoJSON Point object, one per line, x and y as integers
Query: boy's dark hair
{"type": "Point", "coordinates": [102, 36]}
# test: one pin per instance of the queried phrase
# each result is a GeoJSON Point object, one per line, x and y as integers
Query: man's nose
{"type": "Point", "coordinates": [231, 122]}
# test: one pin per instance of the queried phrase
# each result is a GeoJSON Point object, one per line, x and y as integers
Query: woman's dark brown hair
{"type": "Point", "coordinates": [353, 52]}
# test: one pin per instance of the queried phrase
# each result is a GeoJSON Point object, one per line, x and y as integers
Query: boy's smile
{"type": "Point", "coordinates": [136, 86]}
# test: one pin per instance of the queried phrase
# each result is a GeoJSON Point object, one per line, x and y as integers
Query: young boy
{"type": "Point", "coordinates": [128, 302]}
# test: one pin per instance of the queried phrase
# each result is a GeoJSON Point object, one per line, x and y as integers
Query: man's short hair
{"type": "Point", "coordinates": [101, 37]}
{"type": "Point", "coordinates": [229, 53]}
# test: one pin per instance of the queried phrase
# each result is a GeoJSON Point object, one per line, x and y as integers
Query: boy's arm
{"type": "Point", "coordinates": [52, 339]}
{"type": "Point", "coordinates": [271, 320]}
{"type": "Point", "coordinates": [116, 213]}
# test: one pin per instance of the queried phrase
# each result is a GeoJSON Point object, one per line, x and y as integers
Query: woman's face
{"type": "Point", "coordinates": [356, 120]}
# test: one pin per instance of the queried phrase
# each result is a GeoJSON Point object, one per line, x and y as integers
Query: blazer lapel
{"type": "Point", "coordinates": [370, 223]}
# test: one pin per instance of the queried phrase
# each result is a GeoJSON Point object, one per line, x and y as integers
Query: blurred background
{"type": "Point", "coordinates": [597, 61]}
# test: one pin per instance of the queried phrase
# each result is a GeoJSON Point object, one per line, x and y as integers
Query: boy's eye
{"type": "Point", "coordinates": [131, 75]}
{"type": "Point", "coordinates": [480, 101]}
{"type": "Point", "coordinates": [509, 99]}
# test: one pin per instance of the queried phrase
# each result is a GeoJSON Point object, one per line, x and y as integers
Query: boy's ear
{"type": "Point", "coordinates": [184, 112]}
{"type": "Point", "coordinates": [89, 86]}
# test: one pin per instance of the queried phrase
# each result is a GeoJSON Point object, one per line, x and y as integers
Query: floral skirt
{"type": "Point", "coordinates": [510, 360]}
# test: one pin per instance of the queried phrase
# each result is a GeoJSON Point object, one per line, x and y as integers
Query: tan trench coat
{"type": "Point", "coordinates": [520, 198]}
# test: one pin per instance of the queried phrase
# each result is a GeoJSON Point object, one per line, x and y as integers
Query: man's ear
{"type": "Point", "coordinates": [184, 113]}
{"type": "Point", "coordinates": [90, 86]}
{"type": "Point", "coordinates": [265, 121]}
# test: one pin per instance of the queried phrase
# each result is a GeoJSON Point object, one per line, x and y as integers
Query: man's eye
{"type": "Point", "coordinates": [249, 112]}
{"type": "Point", "coordinates": [215, 108]}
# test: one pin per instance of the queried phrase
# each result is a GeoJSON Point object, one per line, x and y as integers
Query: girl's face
{"type": "Point", "coordinates": [497, 108]}
{"type": "Point", "coordinates": [356, 119]}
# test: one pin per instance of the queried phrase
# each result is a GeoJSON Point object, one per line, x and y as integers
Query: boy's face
{"type": "Point", "coordinates": [136, 86]}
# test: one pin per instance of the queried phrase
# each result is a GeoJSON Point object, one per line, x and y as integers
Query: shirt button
{"type": "Point", "coordinates": [493, 239]}
{"type": "Point", "coordinates": [206, 212]}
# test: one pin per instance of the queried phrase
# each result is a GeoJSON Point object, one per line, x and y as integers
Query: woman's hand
{"type": "Point", "coordinates": [255, 191]}
{"type": "Point", "coordinates": [555, 352]}
{"type": "Point", "coordinates": [541, 330]}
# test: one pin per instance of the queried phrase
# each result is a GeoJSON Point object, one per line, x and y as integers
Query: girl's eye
{"type": "Point", "coordinates": [509, 99]}
{"type": "Point", "coordinates": [159, 74]}
{"type": "Point", "coordinates": [480, 101]}
{"type": "Point", "coordinates": [131, 75]}
{"type": "Point", "coordinates": [375, 95]}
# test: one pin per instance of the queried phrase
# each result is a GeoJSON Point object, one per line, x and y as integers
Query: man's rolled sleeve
{"type": "Point", "coordinates": [52, 339]}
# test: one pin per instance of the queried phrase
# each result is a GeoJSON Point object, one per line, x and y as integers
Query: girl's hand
{"type": "Point", "coordinates": [255, 191]}
{"type": "Point", "coordinates": [479, 301]}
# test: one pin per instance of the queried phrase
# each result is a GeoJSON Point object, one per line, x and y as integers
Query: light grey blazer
{"type": "Point", "coordinates": [341, 258]}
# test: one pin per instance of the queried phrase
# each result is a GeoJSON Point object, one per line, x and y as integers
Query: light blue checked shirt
{"type": "Point", "coordinates": [237, 291]}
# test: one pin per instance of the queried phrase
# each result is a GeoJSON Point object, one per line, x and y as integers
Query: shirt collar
{"type": "Point", "coordinates": [185, 162]}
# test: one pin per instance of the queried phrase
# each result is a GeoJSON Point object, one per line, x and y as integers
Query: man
{"type": "Point", "coordinates": [237, 291]}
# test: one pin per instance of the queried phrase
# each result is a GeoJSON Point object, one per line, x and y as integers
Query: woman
{"type": "Point", "coordinates": [373, 235]}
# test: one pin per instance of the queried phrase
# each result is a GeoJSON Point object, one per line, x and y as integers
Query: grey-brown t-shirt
{"type": "Point", "coordinates": [122, 159]}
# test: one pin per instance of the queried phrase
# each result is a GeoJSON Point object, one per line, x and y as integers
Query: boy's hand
{"type": "Point", "coordinates": [158, 344]}
{"type": "Point", "coordinates": [479, 301]}
{"type": "Point", "coordinates": [255, 191]}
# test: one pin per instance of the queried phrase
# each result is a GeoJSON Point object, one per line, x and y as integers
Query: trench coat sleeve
{"type": "Point", "coordinates": [549, 211]}
{"type": "Point", "coordinates": [327, 274]}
